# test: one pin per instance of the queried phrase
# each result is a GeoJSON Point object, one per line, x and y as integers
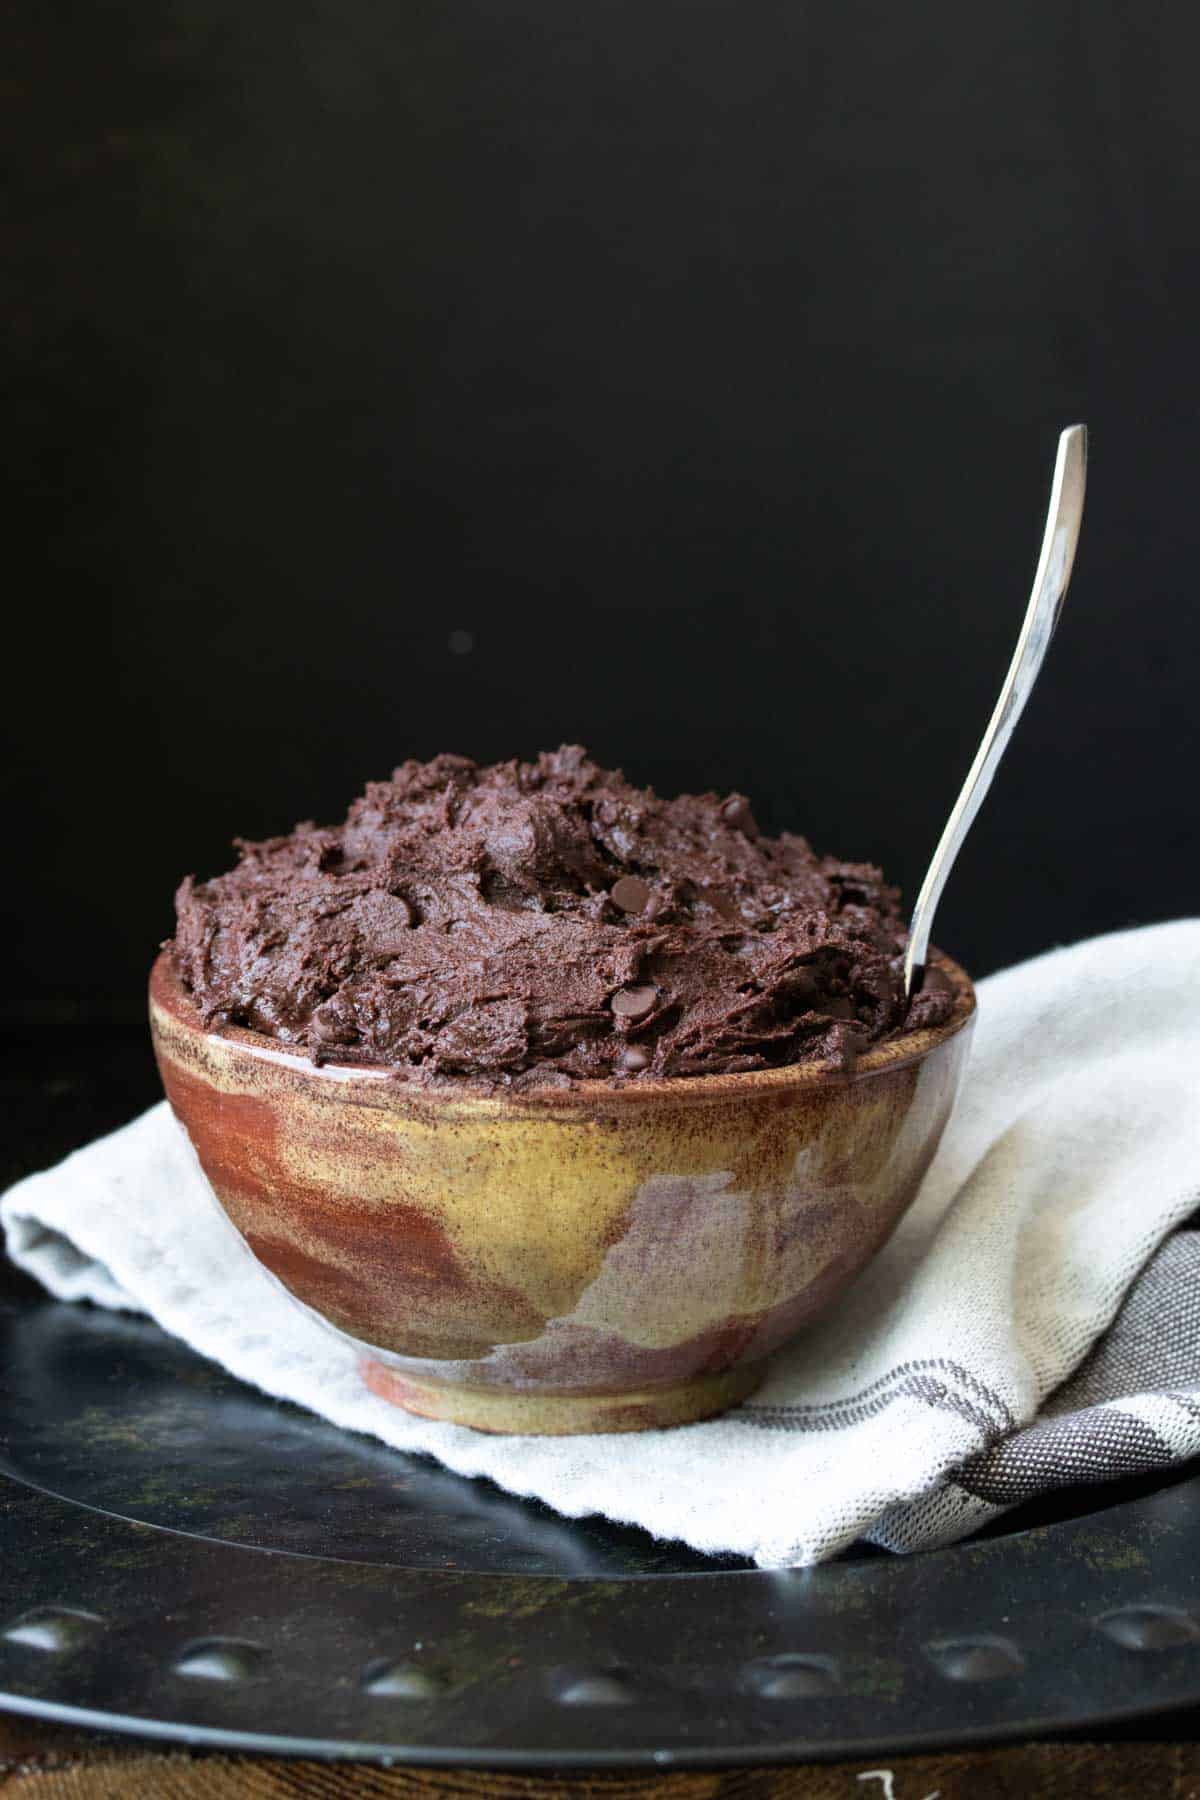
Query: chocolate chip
{"type": "Point", "coordinates": [333, 1022]}
{"type": "Point", "coordinates": [633, 1058]}
{"type": "Point", "coordinates": [630, 893]}
{"type": "Point", "coordinates": [633, 1003]}
{"type": "Point", "coordinates": [736, 812]}
{"type": "Point", "coordinates": [800, 984]}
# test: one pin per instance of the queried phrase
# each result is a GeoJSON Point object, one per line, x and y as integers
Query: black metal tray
{"type": "Point", "coordinates": [186, 1559]}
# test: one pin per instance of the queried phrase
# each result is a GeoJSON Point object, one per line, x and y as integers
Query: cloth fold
{"type": "Point", "coordinates": [934, 1396]}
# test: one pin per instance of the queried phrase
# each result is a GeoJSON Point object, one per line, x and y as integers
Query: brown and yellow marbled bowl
{"type": "Point", "coordinates": [593, 1258]}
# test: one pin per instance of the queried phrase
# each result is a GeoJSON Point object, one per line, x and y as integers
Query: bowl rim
{"type": "Point", "coordinates": [168, 995]}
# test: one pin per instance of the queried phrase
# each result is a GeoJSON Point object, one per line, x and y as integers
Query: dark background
{"type": "Point", "coordinates": [701, 363]}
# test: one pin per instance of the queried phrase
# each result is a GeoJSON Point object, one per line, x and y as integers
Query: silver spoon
{"type": "Point", "coordinates": [1045, 603]}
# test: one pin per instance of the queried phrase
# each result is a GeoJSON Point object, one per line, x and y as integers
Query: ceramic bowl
{"type": "Point", "coordinates": [592, 1258]}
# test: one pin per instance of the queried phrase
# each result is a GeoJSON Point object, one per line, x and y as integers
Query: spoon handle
{"type": "Point", "coordinates": [1045, 603]}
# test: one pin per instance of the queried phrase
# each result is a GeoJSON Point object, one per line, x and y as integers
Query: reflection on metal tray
{"type": "Point", "coordinates": [108, 1411]}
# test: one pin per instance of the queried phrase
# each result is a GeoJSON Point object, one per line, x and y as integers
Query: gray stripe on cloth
{"type": "Point", "coordinates": [918, 1380]}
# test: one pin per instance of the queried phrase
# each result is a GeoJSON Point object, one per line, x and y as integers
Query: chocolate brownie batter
{"type": "Point", "coordinates": [538, 922]}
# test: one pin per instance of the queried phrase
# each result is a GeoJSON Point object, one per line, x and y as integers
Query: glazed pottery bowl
{"type": "Point", "coordinates": [591, 1258]}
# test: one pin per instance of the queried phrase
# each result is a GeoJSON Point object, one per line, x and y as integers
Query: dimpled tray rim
{"type": "Point", "coordinates": [144, 1630]}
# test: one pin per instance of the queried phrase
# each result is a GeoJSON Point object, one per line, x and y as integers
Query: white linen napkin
{"type": "Point", "coordinates": [911, 1414]}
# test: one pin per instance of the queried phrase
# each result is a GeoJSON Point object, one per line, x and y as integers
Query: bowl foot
{"type": "Point", "coordinates": [562, 1415]}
